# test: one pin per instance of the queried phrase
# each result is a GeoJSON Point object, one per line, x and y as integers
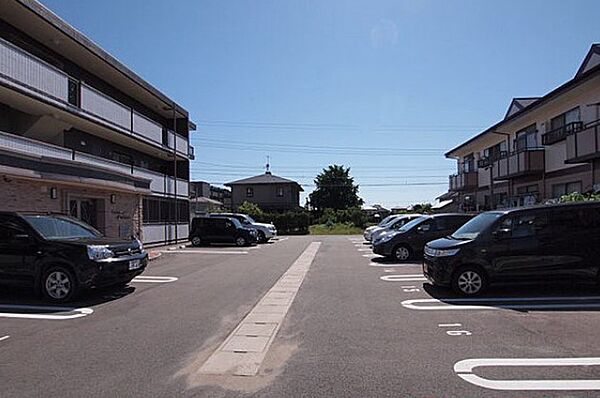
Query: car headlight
{"type": "Point", "coordinates": [140, 244]}
{"type": "Point", "coordinates": [440, 252]}
{"type": "Point", "coordinates": [96, 252]}
{"type": "Point", "coordinates": [384, 238]}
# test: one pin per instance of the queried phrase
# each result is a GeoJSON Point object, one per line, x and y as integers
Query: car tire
{"type": "Point", "coordinates": [196, 241]}
{"type": "Point", "coordinates": [402, 253]}
{"type": "Point", "coordinates": [262, 238]}
{"type": "Point", "coordinates": [469, 281]}
{"type": "Point", "coordinates": [59, 284]}
{"type": "Point", "coordinates": [241, 241]}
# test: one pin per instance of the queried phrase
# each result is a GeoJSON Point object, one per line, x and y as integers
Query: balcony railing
{"type": "Point", "coordinates": [561, 133]}
{"type": "Point", "coordinates": [39, 78]}
{"type": "Point", "coordinates": [159, 183]}
{"type": "Point", "coordinates": [519, 163]}
{"type": "Point", "coordinates": [463, 181]}
{"type": "Point", "coordinates": [584, 145]}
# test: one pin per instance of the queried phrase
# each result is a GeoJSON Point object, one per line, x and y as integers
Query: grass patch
{"type": "Point", "coordinates": [335, 229]}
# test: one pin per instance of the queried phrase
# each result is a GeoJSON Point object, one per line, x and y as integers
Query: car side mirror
{"type": "Point", "coordinates": [501, 233]}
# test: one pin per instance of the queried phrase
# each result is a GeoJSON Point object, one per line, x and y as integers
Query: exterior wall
{"type": "Point", "coordinates": [119, 219]}
{"type": "Point", "coordinates": [265, 196]}
{"type": "Point", "coordinates": [582, 174]}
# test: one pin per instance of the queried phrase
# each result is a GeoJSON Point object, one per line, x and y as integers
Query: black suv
{"type": "Point", "coordinates": [60, 255]}
{"type": "Point", "coordinates": [206, 230]}
{"type": "Point", "coordinates": [540, 244]}
{"type": "Point", "coordinates": [409, 240]}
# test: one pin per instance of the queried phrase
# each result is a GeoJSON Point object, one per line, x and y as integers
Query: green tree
{"type": "Point", "coordinates": [335, 189]}
{"type": "Point", "coordinates": [423, 208]}
{"type": "Point", "coordinates": [251, 209]}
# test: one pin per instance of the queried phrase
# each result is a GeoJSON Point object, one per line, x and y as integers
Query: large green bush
{"type": "Point", "coordinates": [354, 216]}
{"type": "Point", "coordinates": [288, 223]}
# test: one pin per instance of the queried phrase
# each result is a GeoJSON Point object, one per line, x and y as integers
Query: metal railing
{"type": "Point", "coordinates": [159, 183]}
{"type": "Point", "coordinates": [561, 133]}
{"type": "Point", "coordinates": [584, 144]}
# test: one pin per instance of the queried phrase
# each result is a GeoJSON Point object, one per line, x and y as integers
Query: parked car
{"type": "Point", "coordinates": [368, 233]}
{"type": "Point", "coordinates": [207, 230]}
{"type": "Point", "coordinates": [534, 244]}
{"type": "Point", "coordinates": [394, 225]}
{"type": "Point", "coordinates": [60, 255]}
{"type": "Point", "coordinates": [265, 231]}
{"type": "Point", "coordinates": [408, 241]}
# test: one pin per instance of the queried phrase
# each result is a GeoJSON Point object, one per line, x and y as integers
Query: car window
{"type": "Point", "coordinates": [61, 227]}
{"type": "Point", "coordinates": [528, 225]}
{"type": "Point", "coordinates": [9, 230]}
{"type": "Point", "coordinates": [411, 224]}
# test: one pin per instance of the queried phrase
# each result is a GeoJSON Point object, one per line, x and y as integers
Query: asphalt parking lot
{"type": "Point", "coordinates": [303, 316]}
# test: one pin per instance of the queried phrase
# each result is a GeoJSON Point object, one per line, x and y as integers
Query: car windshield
{"type": "Point", "coordinates": [249, 219]}
{"type": "Point", "coordinates": [236, 222]}
{"type": "Point", "coordinates": [475, 226]}
{"type": "Point", "coordinates": [411, 224]}
{"type": "Point", "coordinates": [385, 221]}
{"type": "Point", "coordinates": [60, 227]}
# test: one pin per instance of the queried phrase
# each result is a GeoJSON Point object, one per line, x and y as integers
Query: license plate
{"type": "Point", "coordinates": [134, 264]}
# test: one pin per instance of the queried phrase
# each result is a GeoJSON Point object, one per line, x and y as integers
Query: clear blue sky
{"type": "Point", "coordinates": [403, 80]}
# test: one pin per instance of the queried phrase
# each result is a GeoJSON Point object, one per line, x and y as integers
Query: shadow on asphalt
{"type": "Point", "coordinates": [387, 260]}
{"type": "Point", "coordinates": [565, 296]}
{"type": "Point", "coordinates": [86, 298]}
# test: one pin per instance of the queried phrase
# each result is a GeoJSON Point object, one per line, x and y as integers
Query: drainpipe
{"type": "Point", "coordinates": [175, 170]}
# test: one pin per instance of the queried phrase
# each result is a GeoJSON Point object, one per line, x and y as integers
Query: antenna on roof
{"type": "Point", "coordinates": [268, 166]}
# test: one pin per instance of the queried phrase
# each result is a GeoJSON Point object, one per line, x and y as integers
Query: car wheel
{"type": "Point", "coordinates": [59, 284]}
{"type": "Point", "coordinates": [241, 241]}
{"type": "Point", "coordinates": [261, 237]}
{"type": "Point", "coordinates": [401, 253]}
{"type": "Point", "coordinates": [196, 241]}
{"type": "Point", "coordinates": [469, 281]}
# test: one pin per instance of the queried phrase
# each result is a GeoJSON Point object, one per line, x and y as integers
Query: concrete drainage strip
{"type": "Point", "coordinates": [244, 350]}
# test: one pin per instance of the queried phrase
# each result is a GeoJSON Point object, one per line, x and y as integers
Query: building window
{"type": "Point", "coordinates": [559, 190]}
{"type": "Point", "coordinates": [162, 210]}
{"type": "Point", "coordinates": [280, 192]}
{"type": "Point", "coordinates": [562, 120]}
{"type": "Point", "coordinates": [526, 138]}
{"type": "Point", "coordinates": [469, 163]}
{"type": "Point", "coordinates": [249, 192]}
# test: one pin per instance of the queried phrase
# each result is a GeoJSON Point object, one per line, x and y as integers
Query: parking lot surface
{"type": "Point", "coordinates": [302, 316]}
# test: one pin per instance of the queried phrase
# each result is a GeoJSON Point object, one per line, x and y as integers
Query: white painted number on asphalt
{"type": "Point", "coordinates": [154, 279]}
{"type": "Point", "coordinates": [454, 332]}
{"type": "Point", "coordinates": [464, 369]}
{"type": "Point", "coordinates": [43, 312]}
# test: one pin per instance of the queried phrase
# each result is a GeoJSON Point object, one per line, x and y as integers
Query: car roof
{"type": "Point", "coordinates": [557, 206]}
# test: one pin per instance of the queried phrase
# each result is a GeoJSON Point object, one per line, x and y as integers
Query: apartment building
{"type": "Point", "coordinates": [207, 198]}
{"type": "Point", "coordinates": [82, 134]}
{"type": "Point", "coordinates": [544, 147]}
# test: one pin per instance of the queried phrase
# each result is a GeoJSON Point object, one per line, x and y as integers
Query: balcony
{"type": "Point", "coordinates": [159, 183]}
{"type": "Point", "coordinates": [463, 181]}
{"type": "Point", "coordinates": [528, 161]}
{"type": "Point", "coordinates": [561, 133]}
{"type": "Point", "coordinates": [36, 78]}
{"type": "Point", "coordinates": [584, 145]}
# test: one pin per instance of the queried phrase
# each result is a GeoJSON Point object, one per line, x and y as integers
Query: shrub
{"type": "Point", "coordinates": [288, 223]}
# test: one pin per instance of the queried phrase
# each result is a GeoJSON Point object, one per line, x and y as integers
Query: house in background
{"type": "Point", "coordinates": [543, 148]}
{"type": "Point", "coordinates": [81, 134]}
{"type": "Point", "coordinates": [268, 191]}
{"type": "Point", "coordinates": [207, 198]}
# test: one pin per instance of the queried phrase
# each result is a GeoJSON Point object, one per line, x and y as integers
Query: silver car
{"type": "Point", "coordinates": [369, 231]}
{"type": "Point", "coordinates": [393, 225]}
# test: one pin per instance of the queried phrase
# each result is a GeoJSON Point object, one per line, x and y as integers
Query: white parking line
{"type": "Point", "coordinates": [498, 303]}
{"type": "Point", "coordinates": [281, 239]}
{"type": "Point", "coordinates": [4, 337]}
{"type": "Point", "coordinates": [207, 251]}
{"type": "Point", "coordinates": [365, 250]}
{"type": "Point", "coordinates": [385, 265]}
{"type": "Point", "coordinates": [154, 279]}
{"type": "Point", "coordinates": [28, 312]}
{"type": "Point", "coordinates": [403, 278]}
{"type": "Point", "coordinates": [465, 368]}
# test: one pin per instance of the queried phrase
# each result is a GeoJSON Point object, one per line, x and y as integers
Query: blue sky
{"type": "Point", "coordinates": [385, 87]}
